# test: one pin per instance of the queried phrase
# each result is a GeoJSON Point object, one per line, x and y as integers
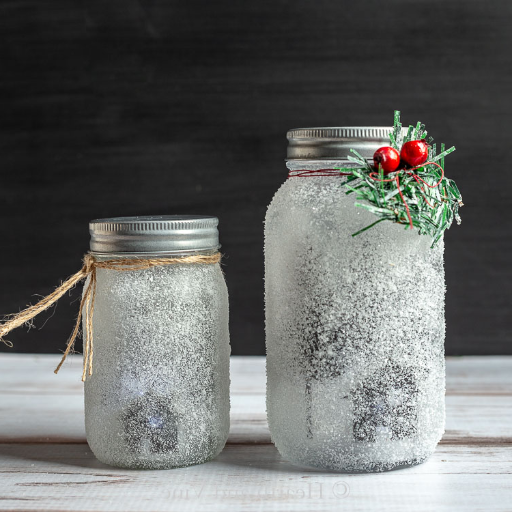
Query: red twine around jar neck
{"type": "Point", "coordinates": [305, 173]}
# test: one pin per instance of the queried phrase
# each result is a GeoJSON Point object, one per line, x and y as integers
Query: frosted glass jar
{"type": "Point", "coordinates": [159, 393]}
{"type": "Point", "coordinates": [354, 325]}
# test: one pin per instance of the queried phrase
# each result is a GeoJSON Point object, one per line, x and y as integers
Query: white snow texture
{"type": "Point", "coordinates": [354, 331]}
{"type": "Point", "coordinates": [159, 393]}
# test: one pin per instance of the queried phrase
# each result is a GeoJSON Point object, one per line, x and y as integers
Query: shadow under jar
{"type": "Point", "coordinates": [354, 325]}
{"type": "Point", "coordinates": [158, 396]}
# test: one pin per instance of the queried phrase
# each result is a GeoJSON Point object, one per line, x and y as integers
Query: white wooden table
{"type": "Point", "coordinates": [45, 463]}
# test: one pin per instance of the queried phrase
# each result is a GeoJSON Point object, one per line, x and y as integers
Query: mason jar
{"type": "Point", "coordinates": [354, 324]}
{"type": "Point", "coordinates": [158, 396]}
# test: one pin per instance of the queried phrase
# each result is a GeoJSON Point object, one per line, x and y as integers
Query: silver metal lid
{"type": "Point", "coordinates": [154, 234]}
{"type": "Point", "coordinates": [335, 143]}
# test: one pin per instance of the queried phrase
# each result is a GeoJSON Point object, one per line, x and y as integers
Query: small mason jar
{"type": "Point", "coordinates": [158, 396]}
{"type": "Point", "coordinates": [354, 324]}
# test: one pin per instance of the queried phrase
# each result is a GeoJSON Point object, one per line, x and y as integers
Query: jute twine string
{"type": "Point", "coordinates": [88, 270]}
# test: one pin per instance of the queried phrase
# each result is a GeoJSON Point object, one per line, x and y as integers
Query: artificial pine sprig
{"type": "Point", "coordinates": [420, 197]}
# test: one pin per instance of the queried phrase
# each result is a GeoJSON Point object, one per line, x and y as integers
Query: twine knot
{"type": "Point", "coordinates": [88, 270]}
{"type": "Point", "coordinates": [89, 263]}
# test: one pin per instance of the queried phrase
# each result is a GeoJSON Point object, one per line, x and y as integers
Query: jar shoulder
{"type": "Point", "coordinates": [318, 210]}
{"type": "Point", "coordinates": [173, 281]}
{"type": "Point", "coordinates": [320, 192]}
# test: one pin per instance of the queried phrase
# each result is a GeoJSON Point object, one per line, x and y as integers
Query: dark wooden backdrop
{"type": "Point", "coordinates": [124, 107]}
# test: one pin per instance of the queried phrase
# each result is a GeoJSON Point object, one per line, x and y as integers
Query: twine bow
{"type": "Point", "coordinates": [88, 270]}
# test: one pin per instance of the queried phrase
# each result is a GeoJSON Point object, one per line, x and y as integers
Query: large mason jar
{"type": "Point", "coordinates": [354, 324]}
{"type": "Point", "coordinates": [158, 396]}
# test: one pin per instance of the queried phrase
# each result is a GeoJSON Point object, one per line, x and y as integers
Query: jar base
{"type": "Point", "coordinates": [140, 464]}
{"type": "Point", "coordinates": [377, 467]}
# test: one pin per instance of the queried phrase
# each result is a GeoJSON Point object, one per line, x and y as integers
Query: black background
{"type": "Point", "coordinates": [119, 107]}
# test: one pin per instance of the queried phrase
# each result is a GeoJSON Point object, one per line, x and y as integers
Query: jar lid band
{"type": "Point", "coordinates": [335, 143]}
{"type": "Point", "coordinates": [154, 234]}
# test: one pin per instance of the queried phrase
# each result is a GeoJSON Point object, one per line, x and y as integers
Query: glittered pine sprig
{"type": "Point", "coordinates": [406, 183]}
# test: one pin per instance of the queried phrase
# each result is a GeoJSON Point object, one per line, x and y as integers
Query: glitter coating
{"type": "Point", "coordinates": [354, 331]}
{"type": "Point", "coordinates": [159, 393]}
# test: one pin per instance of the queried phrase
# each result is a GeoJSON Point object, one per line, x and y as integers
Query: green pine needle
{"type": "Point", "coordinates": [432, 210]}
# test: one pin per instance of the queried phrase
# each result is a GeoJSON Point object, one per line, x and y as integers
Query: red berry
{"type": "Point", "coordinates": [388, 158]}
{"type": "Point", "coordinates": [414, 152]}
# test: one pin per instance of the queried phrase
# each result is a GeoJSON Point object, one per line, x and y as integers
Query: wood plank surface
{"type": "Point", "coordinates": [45, 463]}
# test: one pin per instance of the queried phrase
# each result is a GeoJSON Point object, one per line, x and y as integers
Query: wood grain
{"type": "Point", "coordinates": [45, 463]}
